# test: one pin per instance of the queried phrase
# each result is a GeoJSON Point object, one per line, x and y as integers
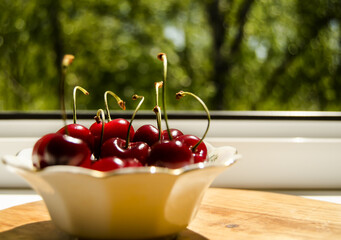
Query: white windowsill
{"type": "Point", "coordinates": [277, 154]}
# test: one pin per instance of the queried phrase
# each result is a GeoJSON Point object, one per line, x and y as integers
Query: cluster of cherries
{"type": "Point", "coordinates": [112, 144]}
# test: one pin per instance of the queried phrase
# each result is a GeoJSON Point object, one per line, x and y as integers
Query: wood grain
{"type": "Point", "coordinates": [224, 214]}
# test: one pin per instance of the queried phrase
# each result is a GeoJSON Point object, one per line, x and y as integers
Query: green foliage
{"type": "Point", "coordinates": [235, 55]}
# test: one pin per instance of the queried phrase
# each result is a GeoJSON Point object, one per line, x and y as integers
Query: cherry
{"type": "Point", "coordinates": [117, 147]}
{"type": "Point", "coordinates": [108, 164]}
{"type": "Point", "coordinates": [57, 148]}
{"type": "Point", "coordinates": [39, 149]}
{"type": "Point", "coordinates": [196, 145]}
{"type": "Point", "coordinates": [170, 154]}
{"type": "Point", "coordinates": [97, 130]}
{"type": "Point", "coordinates": [96, 127]}
{"type": "Point", "coordinates": [124, 148]}
{"type": "Point", "coordinates": [87, 163]}
{"type": "Point", "coordinates": [65, 150]}
{"type": "Point", "coordinates": [81, 132]}
{"type": "Point", "coordinates": [173, 132]}
{"type": "Point", "coordinates": [132, 162]}
{"type": "Point", "coordinates": [77, 130]}
{"type": "Point", "coordinates": [117, 127]}
{"type": "Point", "coordinates": [200, 153]}
{"type": "Point", "coordinates": [111, 163]}
{"type": "Point", "coordinates": [148, 134]}
{"type": "Point", "coordinates": [168, 134]}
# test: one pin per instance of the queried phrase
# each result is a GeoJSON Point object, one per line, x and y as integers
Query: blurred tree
{"type": "Point", "coordinates": [225, 54]}
{"type": "Point", "coordinates": [236, 55]}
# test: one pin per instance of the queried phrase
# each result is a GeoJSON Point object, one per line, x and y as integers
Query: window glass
{"type": "Point", "coordinates": [235, 55]}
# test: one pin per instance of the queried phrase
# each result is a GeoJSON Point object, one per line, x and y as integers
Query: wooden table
{"type": "Point", "coordinates": [224, 214]}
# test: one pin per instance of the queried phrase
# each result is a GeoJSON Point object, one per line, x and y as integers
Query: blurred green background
{"type": "Point", "coordinates": [234, 54]}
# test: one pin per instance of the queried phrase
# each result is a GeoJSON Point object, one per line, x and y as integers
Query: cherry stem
{"type": "Point", "coordinates": [135, 97]}
{"type": "Point", "coordinates": [182, 94]}
{"type": "Point", "coordinates": [74, 100]}
{"type": "Point", "coordinates": [157, 111]}
{"type": "Point", "coordinates": [100, 115]}
{"type": "Point", "coordinates": [120, 102]}
{"type": "Point", "coordinates": [67, 60]}
{"type": "Point", "coordinates": [163, 58]}
{"type": "Point", "coordinates": [157, 86]}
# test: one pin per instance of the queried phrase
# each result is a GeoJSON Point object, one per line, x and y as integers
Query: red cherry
{"type": "Point", "coordinates": [174, 133]}
{"type": "Point", "coordinates": [117, 147]}
{"type": "Point", "coordinates": [66, 150]}
{"type": "Point", "coordinates": [39, 149]}
{"type": "Point", "coordinates": [87, 163]}
{"type": "Point", "coordinates": [195, 144]}
{"type": "Point", "coordinates": [96, 128]}
{"type": "Point", "coordinates": [96, 131]}
{"type": "Point", "coordinates": [119, 144]}
{"type": "Point", "coordinates": [170, 154]}
{"type": "Point", "coordinates": [148, 134]}
{"type": "Point", "coordinates": [108, 164]}
{"type": "Point", "coordinates": [79, 131]}
{"type": "Point", "coordinates": [132, 162]}
{"type": "Point", "coordinates": [117, 128]}
{"type": "Point", "coordinates": [200, 153]}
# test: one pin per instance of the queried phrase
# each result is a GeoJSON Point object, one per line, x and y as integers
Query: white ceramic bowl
{"type": "Point", "coordinates": [128, 203]}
